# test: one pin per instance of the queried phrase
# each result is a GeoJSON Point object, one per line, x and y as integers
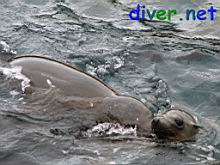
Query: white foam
{"type": "Point", "coordinates": [14, 93]}
{"type": "Point", "coordinates": [16, 73]}
{"type": "Point", "coordinates": [110, 129]}
{"type": "Point", "coordinates": [118, 62]}
{"type": "Point", "coordinates": [6, 48]}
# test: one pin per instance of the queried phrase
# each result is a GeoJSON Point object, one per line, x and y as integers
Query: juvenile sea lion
{"type": "Point", "coordinates": [111, 107]}
{"type": "Point", "coordinates": [175, 125]}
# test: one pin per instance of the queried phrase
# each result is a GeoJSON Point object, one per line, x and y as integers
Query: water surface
{"type": "Point", "coordinates": [161, 63]}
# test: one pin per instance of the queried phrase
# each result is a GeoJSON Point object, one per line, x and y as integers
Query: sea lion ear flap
{"type": "Point", "coordinates": [196, 126]}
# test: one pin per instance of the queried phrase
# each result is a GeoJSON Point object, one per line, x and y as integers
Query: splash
{"type": "Point", "coordinates": [108, 129]}
{"type": "Point", "coordinates": [15, 73]}
{"type": "Point", "coordinates": [111, 65]}
{"type": "Point", "coordinates": [4, 48]}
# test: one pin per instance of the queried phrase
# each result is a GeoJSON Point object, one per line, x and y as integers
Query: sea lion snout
{"type": "Point", "coordinates": [155, 121]}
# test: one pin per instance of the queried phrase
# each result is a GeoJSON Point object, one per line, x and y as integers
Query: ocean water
{"type": "Point", "coordinates": [160, 63]}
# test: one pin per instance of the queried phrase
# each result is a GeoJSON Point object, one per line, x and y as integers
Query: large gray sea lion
{"type": "Point", "coordinates": [111, 107]}
{"type": "Point", "coordinates": [91, 93]}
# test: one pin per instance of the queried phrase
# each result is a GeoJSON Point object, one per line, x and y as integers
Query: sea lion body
{"type": "Point", "coordinates": [127, 111]}
{"type": "Point", "coordinates": [97, 96]}
{"type": "Point", "coordinates": [88, 90]}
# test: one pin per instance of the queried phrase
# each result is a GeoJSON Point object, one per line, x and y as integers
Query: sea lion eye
{"type": "Point", "coordinates": [179, 122]}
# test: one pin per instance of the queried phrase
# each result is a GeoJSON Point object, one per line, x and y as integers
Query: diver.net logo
{"type": "Point", "coordinates": [142, 13]}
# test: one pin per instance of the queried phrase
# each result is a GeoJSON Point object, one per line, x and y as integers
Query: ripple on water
{"type": "Point", "coordinates": [149, 60]}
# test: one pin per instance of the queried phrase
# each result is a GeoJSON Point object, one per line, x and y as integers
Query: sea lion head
{"type": "Point", "coordinates": [175, 125]}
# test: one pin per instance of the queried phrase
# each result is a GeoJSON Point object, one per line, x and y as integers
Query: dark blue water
{"type": "Point", "coordinates": [160, 63]}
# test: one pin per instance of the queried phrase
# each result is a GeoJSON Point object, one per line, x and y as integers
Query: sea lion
{"type": "Point", "coordinates": [111, 106]}
{"type": "Point", "coordinates": [88, 90]}
{"type": "Point", "coordinates": [175, 125]}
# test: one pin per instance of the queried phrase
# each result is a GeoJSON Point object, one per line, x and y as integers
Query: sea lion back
{"type": "Point", "coordinates": [44, 72]}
